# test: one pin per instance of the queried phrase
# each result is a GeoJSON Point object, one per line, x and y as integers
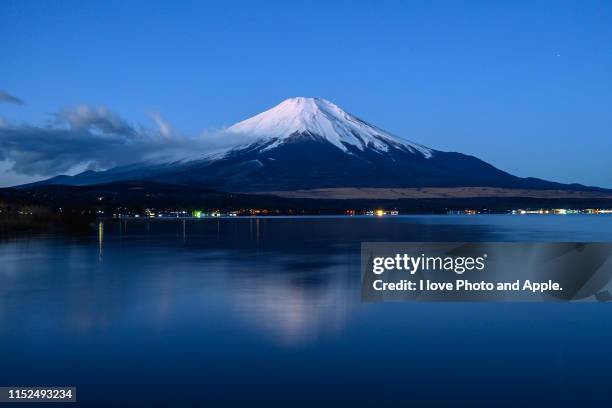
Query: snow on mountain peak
{"type": "Point", "coordinates": [322, 118]}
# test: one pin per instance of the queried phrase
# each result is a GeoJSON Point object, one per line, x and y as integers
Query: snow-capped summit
{"type": "Point", "coordinates": [320, 118]}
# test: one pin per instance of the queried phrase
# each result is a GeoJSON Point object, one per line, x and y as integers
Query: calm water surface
{"type": "Point", "coordinates": [257, 312]}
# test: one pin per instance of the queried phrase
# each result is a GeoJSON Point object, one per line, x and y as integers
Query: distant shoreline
{"type": "Point", "coordinates": [244, 217]}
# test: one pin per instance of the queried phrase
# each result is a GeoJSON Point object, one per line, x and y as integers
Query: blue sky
{"type": "Point", "coordinates": [525, 86]}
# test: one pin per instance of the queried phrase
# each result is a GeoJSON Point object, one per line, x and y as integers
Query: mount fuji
{"type": "Point", "coordinates": [311, 143]}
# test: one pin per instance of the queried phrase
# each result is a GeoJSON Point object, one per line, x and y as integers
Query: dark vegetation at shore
{"type": "Point", "coordinates": [18, 216]}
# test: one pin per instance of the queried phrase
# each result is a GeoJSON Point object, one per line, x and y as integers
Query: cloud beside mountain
{"type": "Point", "coordinates": [96, 138]}
{"type": "Point", "coordinates": [87, 136]}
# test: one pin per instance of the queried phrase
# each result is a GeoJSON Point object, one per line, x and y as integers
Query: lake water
{"type": "Point", "coordinates": [267, 312]}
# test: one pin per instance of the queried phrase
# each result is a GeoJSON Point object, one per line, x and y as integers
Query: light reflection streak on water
{"type": "Point", "coordinates": [100, 240]}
